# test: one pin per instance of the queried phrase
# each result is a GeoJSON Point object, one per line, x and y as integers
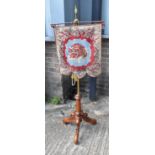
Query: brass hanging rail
{"type": "Point", "coordinates": [80, 23]}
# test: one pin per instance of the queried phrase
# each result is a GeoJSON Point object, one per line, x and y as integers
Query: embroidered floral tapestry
{"type": "Point", "coordinates": [79, 49]}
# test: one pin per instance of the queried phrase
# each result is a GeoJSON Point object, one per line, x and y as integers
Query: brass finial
{"type": "Point", "coordinates": [76, 21]}
{"type": "Point", "coordinates": [75, 11]}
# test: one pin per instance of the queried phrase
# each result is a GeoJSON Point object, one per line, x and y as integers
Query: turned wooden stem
{"type": "Point", "coordinates": [78, 104]}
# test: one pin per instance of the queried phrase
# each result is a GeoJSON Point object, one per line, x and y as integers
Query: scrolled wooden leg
{"type": "Point", "coordinates": [88, 119]}
{"type": "Point", "coordinates": [76, 136]}
{"type": "Point", "coordinates": [68, 120]}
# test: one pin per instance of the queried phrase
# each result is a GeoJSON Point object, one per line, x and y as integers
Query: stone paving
{"type": "Point", "coordinates": [93, 140]}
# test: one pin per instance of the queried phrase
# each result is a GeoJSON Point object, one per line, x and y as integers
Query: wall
{"type": "Point", "coordinates": [105, 16]}
{"type": "Point", "coordinates": [52, 76]}
{"type": "Point", "coordinates": [54, 13]}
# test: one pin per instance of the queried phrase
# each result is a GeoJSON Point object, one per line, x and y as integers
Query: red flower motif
{"type": "Point", "coordinates": [77, 51]}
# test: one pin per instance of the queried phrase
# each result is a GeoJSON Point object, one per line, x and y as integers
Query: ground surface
{"type": "Point", "coordinates": [93, 140]}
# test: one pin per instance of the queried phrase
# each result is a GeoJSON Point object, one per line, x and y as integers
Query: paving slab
{"type": "Point", "coordinates": [93, 140]}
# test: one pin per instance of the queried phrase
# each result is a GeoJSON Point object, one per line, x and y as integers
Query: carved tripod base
{"type": "Point", "coordinates": [77, 116]}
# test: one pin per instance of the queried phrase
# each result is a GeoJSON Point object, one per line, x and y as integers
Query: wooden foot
{"type": "Point", "coordinates": [76, 136]}
{"type": "Point", "coordinates": [88, 119]}
{"type": "Point", "coordinates": [68, 120]}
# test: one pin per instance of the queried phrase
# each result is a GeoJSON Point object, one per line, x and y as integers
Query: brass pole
{"type": "Point", "coordinates": [76, 79]}
{"type": "Point", "coordinates": [76, 22]}
{"type": "Point", "coordinates": [78, 86]}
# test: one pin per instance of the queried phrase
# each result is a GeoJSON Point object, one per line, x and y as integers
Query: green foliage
{"type": "Point", "coordinates": [55, 100]}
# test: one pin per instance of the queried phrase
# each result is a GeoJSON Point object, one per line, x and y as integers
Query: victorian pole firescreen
{"type": "Point", "coordinates": [78, 47]}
